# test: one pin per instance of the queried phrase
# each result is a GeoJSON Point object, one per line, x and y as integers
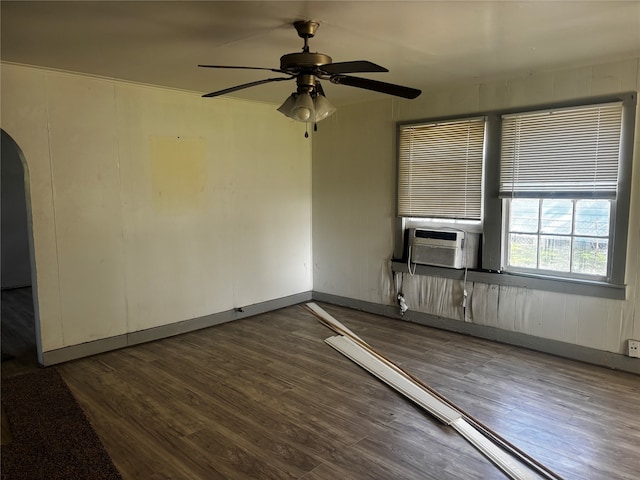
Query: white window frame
{"type": "Point", "coordinates": [571, 236]}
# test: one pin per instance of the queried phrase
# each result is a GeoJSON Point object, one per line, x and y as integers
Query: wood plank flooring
{"type": "Point", "coordinates": [18, 335]}
{"type": "Point", "coordinates": [265, 397]}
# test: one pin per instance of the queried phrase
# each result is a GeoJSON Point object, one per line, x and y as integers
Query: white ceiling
{"type": "Point", "coordinates": [422, 43]}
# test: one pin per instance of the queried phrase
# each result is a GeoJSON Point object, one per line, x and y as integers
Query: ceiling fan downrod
{"type": "Point", "coordinates": [306, 29]}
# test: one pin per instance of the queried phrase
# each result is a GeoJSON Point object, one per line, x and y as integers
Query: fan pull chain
{"type": "Point", "coordinates": [306, 130]}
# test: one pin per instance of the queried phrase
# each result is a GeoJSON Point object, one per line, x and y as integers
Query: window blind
{"type": "Point", "coordinates": [570, 152]}
{"type": "Point", "coordinates": [440, 169]}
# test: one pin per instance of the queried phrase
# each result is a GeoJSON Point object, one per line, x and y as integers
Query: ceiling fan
{"type": "Point", "coordinates": [309, 103]}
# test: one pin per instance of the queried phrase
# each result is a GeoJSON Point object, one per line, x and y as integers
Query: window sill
{"type": "Point", "coordinates": [559, 285]}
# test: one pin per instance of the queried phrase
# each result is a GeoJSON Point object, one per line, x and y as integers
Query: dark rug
{"type": "Point", "coordinates": [52, 438]}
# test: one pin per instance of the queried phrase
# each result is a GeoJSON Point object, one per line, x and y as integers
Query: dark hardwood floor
{"type": "Point", "coordinates": [17, 332]}
{"type": "Point", "coordinates": [265, 397]}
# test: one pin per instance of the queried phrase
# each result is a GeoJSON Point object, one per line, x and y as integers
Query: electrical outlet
{"type": "Point", "coordinates": [633, 349]}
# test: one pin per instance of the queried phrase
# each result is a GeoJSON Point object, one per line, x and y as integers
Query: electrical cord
{"type": "Point", "coordinates": [415, 265]}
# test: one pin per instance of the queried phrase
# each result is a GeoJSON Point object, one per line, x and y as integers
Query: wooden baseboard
{"type": "Point", "coordinates": [571, 351]}
{"type": "Point", "coordinates": [553, 347]}
{"type": "Point", "coordinates": [74, 352]}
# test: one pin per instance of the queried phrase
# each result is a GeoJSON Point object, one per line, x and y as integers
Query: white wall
{"type": "Point", "coordinates": [354, 203]}
{"type": "Point", "coordinates": [152, 206]}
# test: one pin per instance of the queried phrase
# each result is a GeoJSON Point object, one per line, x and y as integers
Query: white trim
{"type": "Point", "coordinates": [331, 322]}
{"type": "Point", "coordinates": [490, 450]}
{"type": "Point", "coordinates": [409, 389]}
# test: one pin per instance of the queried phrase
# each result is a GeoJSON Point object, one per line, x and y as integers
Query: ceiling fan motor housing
{"type": "Point", "coordinates": [294, 63]}
{"type": "Point", "coordinates": [304, 62]}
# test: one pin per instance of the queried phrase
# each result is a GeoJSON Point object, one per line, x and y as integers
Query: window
{"type": "Point", "coordinates": [559, 176]}
{"type": "Point", "coordinates": [440, 169]}
{"type": "Point", "coordinates": [549, 187]}
{"type": "Point", "coordinates": [559, 235]}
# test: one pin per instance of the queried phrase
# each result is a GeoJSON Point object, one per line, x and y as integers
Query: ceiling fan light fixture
{"type": "Point", "coordinates": [303, 109]}
{"type": "Point", "coordinates": [323, 107]}
{"type": "Point", "coordinates": [287, 107]}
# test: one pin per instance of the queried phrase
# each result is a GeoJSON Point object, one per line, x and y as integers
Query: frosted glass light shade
{"type": "Point", "coordinates": [287, 106]}
{"type": "Point", "coordinates": [303, 109]}
{"type": "Point", "coordinates": [323, 107]}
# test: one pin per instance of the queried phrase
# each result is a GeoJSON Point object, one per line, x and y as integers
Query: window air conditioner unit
{"type": "Point", "coordinates": [443, 248]}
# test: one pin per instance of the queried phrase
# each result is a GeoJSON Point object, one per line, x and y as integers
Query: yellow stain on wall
{"type": "Point", "coordinates": [178, 173]}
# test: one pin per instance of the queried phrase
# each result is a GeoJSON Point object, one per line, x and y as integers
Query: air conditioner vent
{"type": "Point", "coordinates": [443, 248]}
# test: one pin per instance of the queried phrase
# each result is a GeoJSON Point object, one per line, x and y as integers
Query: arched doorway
{"type": "Point", "coordinates": [21, 348]}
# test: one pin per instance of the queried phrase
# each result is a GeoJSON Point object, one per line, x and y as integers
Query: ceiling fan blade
{"type": "Point", "coordinates": [376, 86]}
{"type": "Point", "coordinates": [246, 85]}
{"type": "Point", "coordinates": [244, 68]}
{"type": "Point", "coordinates": [352, 67]}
